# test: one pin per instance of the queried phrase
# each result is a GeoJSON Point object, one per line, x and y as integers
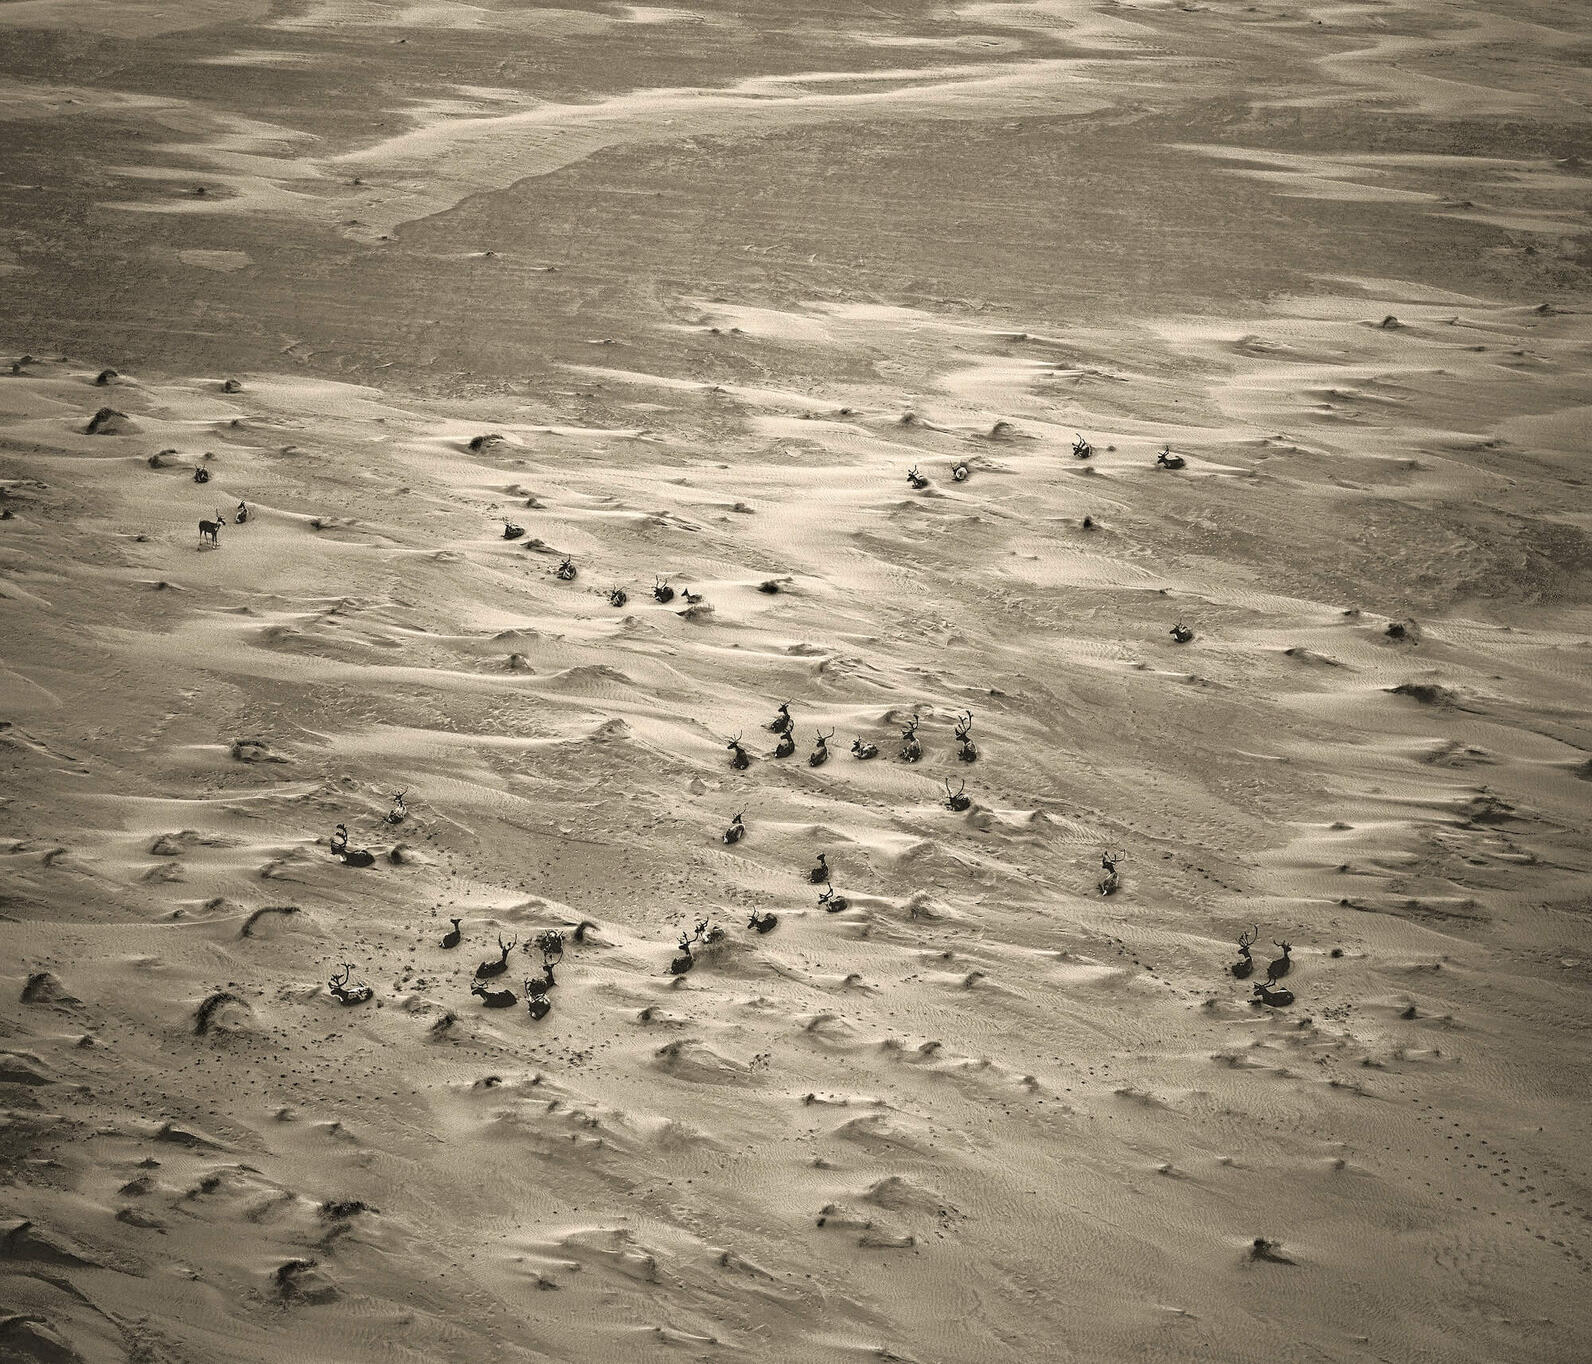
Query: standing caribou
{"type": "Point", "coordinates": [211, 530]}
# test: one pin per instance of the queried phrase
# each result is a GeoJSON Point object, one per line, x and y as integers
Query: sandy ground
{"type": "Point", "coordinates": [718, 279]}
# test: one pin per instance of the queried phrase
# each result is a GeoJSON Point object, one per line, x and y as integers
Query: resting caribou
{"type": "Point", "coordinates": [487, 969]}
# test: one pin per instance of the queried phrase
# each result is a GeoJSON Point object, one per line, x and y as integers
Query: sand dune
{"type": "Point", "coordinates": [685, 295]}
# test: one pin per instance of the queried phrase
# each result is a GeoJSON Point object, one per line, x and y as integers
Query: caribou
{"type": "Point", "coordinates": [344, 993]}
{"type": "Point", "coordinates": [1279, 967]}
{"type": "Point", "coordinates": [911, 749]}
{"type": "Point", "coordinates": [488, 969]}
{"type": "Point", "coordinates": [536, 999]}
{"type": "Point", "coordinates": [968, 752]}
{"type": "Point", "coordinates": [820, 755]}
{"type": "Point", "coordinates": [352, 857]}
{"type": "Point", "coordinates": [1275, 999]}
{"type": "Point", "coordinates": [1245, 963]}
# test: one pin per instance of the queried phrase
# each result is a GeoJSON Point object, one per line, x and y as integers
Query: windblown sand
{"type": "Point", "coordinates": [718, 278]}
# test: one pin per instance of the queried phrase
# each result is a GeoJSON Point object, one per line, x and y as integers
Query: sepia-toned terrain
{"type": "Point", "coordinates": [686, 294]}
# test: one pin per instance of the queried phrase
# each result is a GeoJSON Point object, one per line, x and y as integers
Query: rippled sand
{"type": "Point", "coordinates": [716, 280]}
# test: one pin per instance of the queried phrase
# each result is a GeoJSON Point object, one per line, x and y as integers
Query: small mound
{"type": "Point", "coordinates": [691, 1060]}
{"type": "Point", "coordinates": [1310, 657]}
{"type": "Point", "coordinates": [222, 1010]}
{"type": "Point", "coordinates": [23, 1068]}
{"type": "Point", "coordinates": [255, 751]}
{"type": "Point", "coordinates": [109, 422]}
{"type": "Point", "coordinates": [1427, 693]}
{"type": "Point", "coordinates": [247, 931]}
{"type": "Point", "coordinates": [31, 1338]}
{"type": "Point", "coordinates": [900, 1194]}
{"type": "Point", "coordinates": [173, 845]}
{"type": "Point", "coordinates": [303, 1281]}
{"type": "Point", "coordinates": [44, 988]}
{"type": "Point", "coordinates": [1487, 808]}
